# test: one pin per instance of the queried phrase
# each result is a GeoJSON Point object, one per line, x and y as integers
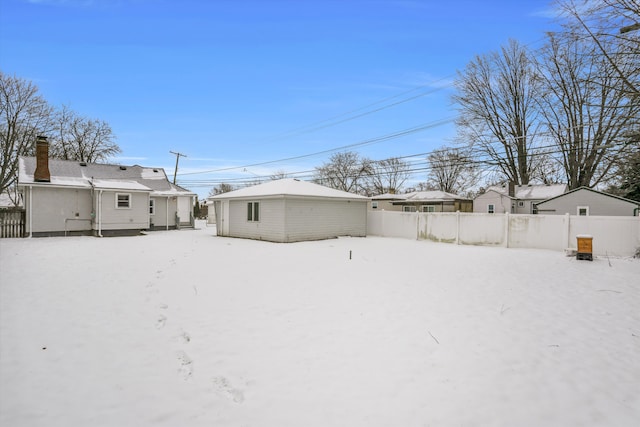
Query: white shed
{"type": "Point", "coordinates": [290, 210]}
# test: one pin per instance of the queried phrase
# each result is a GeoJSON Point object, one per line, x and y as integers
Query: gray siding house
{"type": "Point", "coordinates": [515, 199]}
{"type": "Point", "coordinates": [289, 210]}
{"type": "Point", "coordinates": [63, 197]}
{"type": "Point", "coordinates": [586, 201]}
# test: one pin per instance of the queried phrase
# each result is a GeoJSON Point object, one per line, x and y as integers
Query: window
{"type": "Point", "coordinates": [521, 204]}
{"type": "Point", "coordinates": [123, 201]}
{"type": "Point", "coordinates": [491, 209]}
{"type": "Point", "coordinates": [428, 208]}
{"type": "Point", "coordinates": [408, 209]}
{"type": "Point", "coordinates": [374, 205]}
{"type": "Point", "coordinates": [152, 206]}
{"type": "Point", "coordinates": [253, 211]}
{"type": "Point", "coordinates": [583, 210]}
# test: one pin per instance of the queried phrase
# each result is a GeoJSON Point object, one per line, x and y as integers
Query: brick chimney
{"type": "Point", "coordinates": [42, 160]}
{"type": "Point", "coordinates": [512, 189]}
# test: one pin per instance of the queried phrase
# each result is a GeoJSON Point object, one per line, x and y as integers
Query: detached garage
{"type": "Point", "coordinates": [290, 210]}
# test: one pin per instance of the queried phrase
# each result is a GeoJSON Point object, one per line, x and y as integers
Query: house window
{"type": "Point", "coordinates": [428, 208]}
{"type": "Point", "coordinates": [408, 209]}
{"type": "Point", "coordinates": [253, 211]}
{"type": "Point", "coordinates": [520, 204]}
{"type": "Point", "coordinates": [152, 206]}
{"type": "Point", "coordinates": [583, 210]}
{"type": "Point", "coordinates": [123, 201]}
{"type": "Point", "coordinates": [374, 205]}
{"type": "Point", "coordinates": [491, 209]}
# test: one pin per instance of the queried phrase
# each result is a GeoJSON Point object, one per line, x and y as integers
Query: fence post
{"type": "Point", "coordinates": [507, 226]}
{"type": "Point", "coordinates": [566, 230]}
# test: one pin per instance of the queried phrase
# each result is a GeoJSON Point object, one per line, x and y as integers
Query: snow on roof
{"type": "Point", "coordinates": [81, 174]}
{"type": "Point", "coordinates": [583, 188]}
{"type": "Point", "coordinates": [532, 192]}
{"type": "Point", "coordinates": [288, 187]}
{"type": "Point", "coordinates": [432, 196]}
{"type": "Point", "coordinates": [119, 185]}
{"type": "Point", "coordinates": [389, 196]}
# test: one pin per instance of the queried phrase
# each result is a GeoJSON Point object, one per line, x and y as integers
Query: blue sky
{"type": "Point", "coordinates": [237, 83]}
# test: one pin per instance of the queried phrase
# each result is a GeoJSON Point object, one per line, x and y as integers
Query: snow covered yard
{"type": "Point", "coordinates": [183, 328]}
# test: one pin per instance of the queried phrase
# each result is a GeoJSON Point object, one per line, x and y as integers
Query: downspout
{"type": "Point", "coordinates": [167, 213]}
{"type": "Point", "coordinates": [100, 214]}
{"type": "Point", "coordinates": [30, 211]}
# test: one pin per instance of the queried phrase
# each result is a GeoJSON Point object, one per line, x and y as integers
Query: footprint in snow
{"type": "Point", "coordinates": [185, 365]}
{"type": "Point", "coordinates": [161, 321]}
{"type": "Point", "coordinates": [224, 386]}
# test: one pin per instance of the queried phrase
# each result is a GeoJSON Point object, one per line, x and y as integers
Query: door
{"type": "Point", "coordinates": [184, 210]}
{"type": "Point", "coordinates": [224, 218]}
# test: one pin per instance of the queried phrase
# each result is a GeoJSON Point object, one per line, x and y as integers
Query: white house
{"type": "Point", "coordinates": [64, 197]}
{"type": "Point", "coordinates": [290, 210]}
{"type": "Point", "coordinates": [586, 201]}
{"type": "Point", "coordinates": [515, 199]}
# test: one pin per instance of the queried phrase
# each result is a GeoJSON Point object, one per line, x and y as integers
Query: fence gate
{"type": "Point", "coordinates": [12, 223]}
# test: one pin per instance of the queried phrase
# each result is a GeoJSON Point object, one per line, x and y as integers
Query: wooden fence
{"type": "Point", "coordinates": [12, 223]}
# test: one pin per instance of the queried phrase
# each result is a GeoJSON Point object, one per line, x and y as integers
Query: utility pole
{"type": "Point", "coordinates": [178, 155]}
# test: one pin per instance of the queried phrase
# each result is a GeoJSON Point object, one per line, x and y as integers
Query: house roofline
{"type": "Point", "coordinates": [593, 191]}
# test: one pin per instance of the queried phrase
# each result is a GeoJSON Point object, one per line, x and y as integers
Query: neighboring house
{"type": "Point", "coordinates": [515, 199]}
{"type": "Point", "coordinates": [11, 201]}
{"type": "Point", "coordinates": [65, 197]}
{"type": "Point", "coordinates": [433, 201]}
{"type": "Point", "coordinates": [290, 210]}
{"type": "Point", "coordinates": [384, 202]}
{"type": "Point", "coordinates": [421, 201]}
{"type": "Point", "coordinates": [586, 201]}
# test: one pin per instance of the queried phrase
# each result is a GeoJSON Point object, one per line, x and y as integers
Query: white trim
{"type": "Point", "coordinates": [129, 200]}
{"type": "Point", "coordinates": [586, 208]}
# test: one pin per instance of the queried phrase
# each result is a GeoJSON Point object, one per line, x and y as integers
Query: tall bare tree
{"type": "Point", "coordinates": [614, 28]}
{"type": "Point", "coordinates": [496, 96]}
{"type": "Point", "coordinates": [82, 139]}
{"type": "Point", "coordinates": [346, 171]}
{"type": "Point", "coordinates": [388, 175]}
{"type": "Point", "coordinates": [586, 111]}
{"type": "Point", "coordinates": [24, 114]}
{"type": "Point", "coordinates": [452, 170]}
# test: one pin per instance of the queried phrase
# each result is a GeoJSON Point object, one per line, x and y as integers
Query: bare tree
{"type": "Point", "coordinates": [345, 171]}
{"type": "Point", "coordinates": [586, 112]}
{"type": "Point", "coordinates": [498, 112]}
{"type": "Point", "coordinates": [388, 176]}
{"type": "Point", "coordinates": [82, 139]}
{"type": "Point", "coordinates": [279, 174]}
{"type": "Point", "coordinates": [24, 114]}
{"type": "Point", "coordinates": [452, 170]}
{"type": "Point", "coordinates": [614, 28]}
{"type": "Point", "coordinates": [223, 187]}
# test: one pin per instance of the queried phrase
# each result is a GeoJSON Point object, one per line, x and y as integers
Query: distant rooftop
{"type": "Point", "coordinates": [288, 187]}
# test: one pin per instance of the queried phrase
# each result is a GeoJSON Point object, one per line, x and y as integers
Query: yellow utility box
{"type": "Point", "coordinates": [585, 247]}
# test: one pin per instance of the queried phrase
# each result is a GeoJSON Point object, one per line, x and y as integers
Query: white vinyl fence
{"type": "Point", "coordinates": [612, 235]}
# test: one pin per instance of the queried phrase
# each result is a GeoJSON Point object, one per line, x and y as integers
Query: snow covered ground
{"type": "Point", "coordinates": [183, 328]}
